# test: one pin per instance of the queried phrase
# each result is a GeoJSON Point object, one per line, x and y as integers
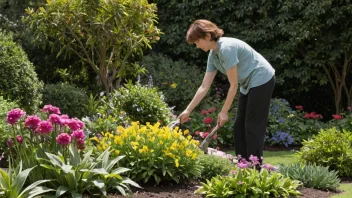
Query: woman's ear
{"type": "Point", "coordinates": [208, 37]}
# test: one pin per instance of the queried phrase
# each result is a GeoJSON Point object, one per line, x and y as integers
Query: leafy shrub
{"type": "Point", "coordinates": [342, 121]}
{"type": "Point", "coordinates": [140, 103]}
{"type": "Point", "coordinates": [213, 166]}
{"type": "Point", "coordinates": [18, 80]}
{"type": "Point", "coordinates": [297, 124]}
{"type": "Point", "coordinates": [312, 176]}
{"type": "Point", "coordinates": [204, 121]}
{"type": "Point", "coordinates": [153, 153]}
{"type": "Point", "coordinates": [71, 100]}
{"type": "Point", "coordinates": [177, 80]}
{"type": "Point", "coordinates": [248, 182]}
{"type": "Point", "coordinates": [330, 148]}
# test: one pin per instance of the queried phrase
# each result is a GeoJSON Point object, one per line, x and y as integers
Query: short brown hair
{"type": "Point", "coordinates": [199, 29]}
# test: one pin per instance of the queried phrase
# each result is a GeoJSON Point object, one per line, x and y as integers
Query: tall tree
{"type": "Point", "coordinates": [103, 33]}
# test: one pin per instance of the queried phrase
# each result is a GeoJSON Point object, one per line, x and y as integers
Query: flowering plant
{"type": "Point", "coordinates": [48, 132]}
{"type": "Point", "coordinates": [247, 181]}
{"type": "Point", "coordinates": [153, 152]}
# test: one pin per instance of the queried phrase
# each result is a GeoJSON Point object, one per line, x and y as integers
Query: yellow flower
{"type": "Point", "coordinates": [194, 156]}
{"type": "Point", "coordinates": [95, 139]}
{"type": "Point", "coordinates": [120, 129]}
{"type": "Point", "coordinates": [290, 116]}
{"type": "Point", "coordinates": [176, 163]}
{"type": "Point", "coordinates": [135, 145]}
{"type": "Point", "coordinates": [188, 153]}
{"type": "Point", "coordinates": [186, 132]}
{"type": "Point", "coordinates": [143, 150]}
{"type": "Point", "coordinates": [189, 137]}
{"type": "Point", "coordinates": [117, 152]}
{"type": "Point", "coordinates": [118, 140]}
{"type": "Point", "coordinates": [107, 134]}
{"type": "Point", "coordinates": [173, 85]}
{"type": "Point", "coordinates": [99, 148]}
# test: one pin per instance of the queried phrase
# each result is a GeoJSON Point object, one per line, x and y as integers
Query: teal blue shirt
{"type": "Point", "coordinates": [252, 68]}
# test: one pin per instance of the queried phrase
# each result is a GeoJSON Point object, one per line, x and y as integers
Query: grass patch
{"type": "Point", "coordinates": [347, 191]}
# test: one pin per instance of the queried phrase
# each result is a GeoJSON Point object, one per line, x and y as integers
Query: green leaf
{"type": "Point", "coordinates": [39, 190]}
{"type": "Point", "coordinates": [55, 160]}
{"type": "Point", "coordinates": [20, 179]}
{"type": "Point", "coordinates": [121, 190]}
{"type": "Point", "coordinates": [127, 180]}
{"type": "Point", "coordinates": [61, 190]}
{"type": "Point", "coordinates": [120, 170]}
{"type": "Point", "coordinates": [34, 185]}
{"type": "Point", "coordinates": [75, 158]}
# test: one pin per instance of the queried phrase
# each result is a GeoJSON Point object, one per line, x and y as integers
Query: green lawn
{"type": "Point", "coordinates": [289, 157]}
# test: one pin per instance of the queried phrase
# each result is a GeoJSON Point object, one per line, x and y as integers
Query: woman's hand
{"type": "Point", "coordinates": [222, 118]}
{"type": "Point", "coordinates": [184, 116]}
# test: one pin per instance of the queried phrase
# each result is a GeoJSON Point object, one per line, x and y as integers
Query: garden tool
{"type": "Point", "coordinates": [173, 124]}
{"type": "Point", "coordinates": [205, 143]}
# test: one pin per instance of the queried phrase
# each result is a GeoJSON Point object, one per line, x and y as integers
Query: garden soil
{"type": "Point", "coordinates": [185, 191]}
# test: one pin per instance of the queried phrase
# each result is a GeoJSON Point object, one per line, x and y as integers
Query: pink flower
{"type": "Point", "coordinates": [51, 109]}
{"type": "Point", "coordinates": [299, 107]}
{"type": "Point", "coordinates": [314, 115]}
{"type": "Point", "coordinates": [204, 112]}
{"type": "Point", "coordinates": [44, 127]}
{"type": "Point", "coordinates": [243, 164]}
{"type": "Point", "coordinates": [205, 134]}
{"type": "Point", "coordinates": [19, 139]}
{"type": "Point", "coordinates": [56, 119]}
{"type": "Point", "coordinates": [32, 122]}
{"type": "Point", "coordinates": [215, 136]}
{"type": "Point", "coordinates": [208, 120]}
{"type": "Point", "coordinates": [239, 183]}
{"type": "Point", "coordinates": [74, 124]}
{"type": "Point", "coordinates": [196, 133]}
{"type": "Point", "coordinates": [63, 139]}
{"type": "Point", "coordinates": [307, 115]}
{"type": "Point", "coordinates": [78, 135]}
{"type": "Point", "coordinates": [211, 110]}
{"type": "Point", "coordinates": [269, 167]}
{"type": "Point", "coordinates": [349, 108]}
{"type": "Point", "coordinates": [14, 115]}
{"type": "Point", "coordinates": [337, 116]}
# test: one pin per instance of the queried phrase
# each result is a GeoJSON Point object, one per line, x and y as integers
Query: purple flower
{"type": "Point", "coordinates": [14, 115]}
{"type": "Point", "coordinates": [44, 127]}
{"type": "Point", "coordinates": [78, 135]}
{"type": "Point", "coordinates": [51, 109]}
{"type": "Point", "coordinates": [9, 142]}
{"type": "Point", "coordinates": [239, 183]}
{"type": "Point", "coordinates": [32, 122]}
{"type": "Point", "coordinates": [56, 119]}
{"type": "Point", "coordinates": [254, 160]}
{"type": "Point", "coordinates": [243, 164]}
{"type": "Point", "coordinates": [63, 139]}
{"type": "Point", "coordinates": [282, 138]}
{"type": "Point", "coordinates": [269, 167]}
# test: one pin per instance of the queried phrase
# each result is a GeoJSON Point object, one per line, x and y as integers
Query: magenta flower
{"type": "Point", "coordinates": [56, 119]}
{"type": "Point", "coordinates": [19, 139]}
{"type": "Point", "coordinates": [78, 135]}
{"type": "Point", "coordinates": [63, 139]}
{"type": "Point", "coordinates": [254, 160]}
{"type": "Point", "coordinates": [32, 122]}
{"type": "Point", "coordinates": [14, 115]}
{"type": "Point", "coordinates": [74, 124]}
{"type": "Point", "coordinates": [243, 164]}
{"type": "Point", "coordinates": [208, 120]}
{"type": "Point", "coordinates": [269, 167]}
{"type": "Point", "coordinates": [51, 109]}
{"type": "Point", "coordinates": [44, 127]}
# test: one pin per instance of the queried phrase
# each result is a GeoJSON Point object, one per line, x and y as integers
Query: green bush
{"type": "Point", "coordinates": [311, 176]}
{"type": "Point", "coordinates": [214, 165]}
{"type": "Point", "coordinates": [18, 80]}
{"type": "Point", "coordinates": [330, 148]}
{"type": "Point", "coordinates": [71, 100]}
{"type": "Point", "coordinates": [249, 182]}
{"type": "Point", "coordinates": [140, 103]}
{"type": "Point", "coordinates": [178, 80]}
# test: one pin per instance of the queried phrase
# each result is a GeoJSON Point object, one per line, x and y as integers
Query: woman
{"type": "Point", "coordinates": [243, 66]}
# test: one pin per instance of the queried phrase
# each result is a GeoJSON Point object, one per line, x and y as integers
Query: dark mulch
{"type": "Point", "coordinates": [178, 191]}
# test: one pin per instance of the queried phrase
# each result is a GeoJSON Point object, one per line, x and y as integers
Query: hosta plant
{"type": "Point", "coordinates": [312, 176]}
{"type": "Point", "coordinates": [74, 175]}
{"type": "Point", "coordinates": [153, 152]}
{"type": "Point", "coordinates": [330, 148]}
{"type": "Point", "coordinates": [12, 184]}
{"type": "Point", "coordinates": [246, 181]}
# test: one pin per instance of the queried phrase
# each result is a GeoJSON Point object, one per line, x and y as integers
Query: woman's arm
{"type": "Point", "coordinates": [232, 77]}
{"type": "Point", "coordinates": [201, 92]}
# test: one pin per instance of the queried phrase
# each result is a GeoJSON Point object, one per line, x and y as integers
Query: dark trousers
{"type": "Point", "coordinates": [252, 119]}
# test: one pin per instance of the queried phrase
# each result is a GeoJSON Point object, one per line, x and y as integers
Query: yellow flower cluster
{"type": "Point", "coordinates": [151, 142]}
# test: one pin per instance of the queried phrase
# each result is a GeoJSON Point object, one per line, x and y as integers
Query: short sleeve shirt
{"type": "Point", "coordinates": [252, 68]}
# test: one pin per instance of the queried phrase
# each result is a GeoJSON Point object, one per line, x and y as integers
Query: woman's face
{"type": "Point", "coordinates": [204, 44]}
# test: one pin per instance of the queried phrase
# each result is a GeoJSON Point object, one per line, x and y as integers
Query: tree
{"type": "Point", "coordinates": [319, 36]}
{"type": "Point", "coordinates": [104, 33]}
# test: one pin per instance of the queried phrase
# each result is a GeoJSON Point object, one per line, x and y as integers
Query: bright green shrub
{"type": "Point", "coordinates": [18, 80]}
{"type": "Point", "coordinates": [330, 148]}
{"type": "Point", "coordinates": [312, 176]}
{"type": "Point", "coordinates": [177, 80]}
{"type": "Point", "coordinates": [249, 182]}
{"type": "Point", "coordinates": [214, 165]}
{"type": "Point", "coordinates": [70, 99]}
{"type": "Point", "coordinates": [153, 153]}
{"type": "Point", "coordinates": [143, 104]}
